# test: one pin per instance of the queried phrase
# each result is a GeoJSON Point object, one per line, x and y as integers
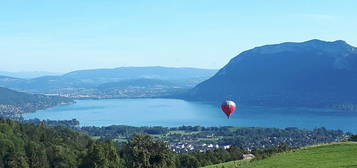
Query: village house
{"type": "Point", "coordinates": [248, 156]}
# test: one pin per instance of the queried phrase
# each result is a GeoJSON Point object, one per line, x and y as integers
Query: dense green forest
{"type": "Point", "coordinates": [37, 146]}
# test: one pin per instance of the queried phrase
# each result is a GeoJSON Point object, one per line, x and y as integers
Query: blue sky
{"type": "Point", "coordinates": [66, 35]}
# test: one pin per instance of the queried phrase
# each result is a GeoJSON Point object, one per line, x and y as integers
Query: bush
{"type": "Point", "coordinates": [353, 138]}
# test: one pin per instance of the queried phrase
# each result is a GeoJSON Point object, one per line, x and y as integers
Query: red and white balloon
{"type": "Point", "coordinates": [228, 107]}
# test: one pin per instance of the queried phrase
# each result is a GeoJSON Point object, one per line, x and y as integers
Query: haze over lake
{"type": "Point", "coordinates": [175, 112]}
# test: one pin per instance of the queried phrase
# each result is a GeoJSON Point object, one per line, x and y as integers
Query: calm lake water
{"type": "Point", "coordinates": [174, 112]}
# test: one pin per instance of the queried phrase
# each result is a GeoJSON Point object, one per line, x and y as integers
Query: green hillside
{"type": "Point", "coordinates": [232, 164]}
{"type": "Point", "coordinates": [13, 103]}
{"type": "Point", "coordinates": [40, 146]}
{"type": "Point", "coordinates": [334, 155]}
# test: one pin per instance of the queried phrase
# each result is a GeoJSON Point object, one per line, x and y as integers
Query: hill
{"type": "Point", "coordinates": [135, 83]}
{"type": "Point", "coordinates": [231, 164]}
{"type": "Point", "coordinates": [13, 103]}
{"type": "Point", "coordinates": [93, 83]}
{"type": "Point", "coordinates": [312, 73]}
{"type": "Point", "coordinates": [7, 80]}
{"type": "Point", "coordinates": [125, 73]}
{"type": "Point", "coordinates": [41, 146]}
{"type": "Point", "coordinates": [31, 146]}
{"type": "Point", "coordinates": [27, 75]}
{"type": "Point", "coordinates": [326, 156]}
{"type": "Point", "coordinates": [138, 88]}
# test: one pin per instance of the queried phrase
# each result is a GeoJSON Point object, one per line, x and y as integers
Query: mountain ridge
{"type": "Point", "coordinates": [91, 83]}
{"type": "Point", "coordinates": [311, 73]}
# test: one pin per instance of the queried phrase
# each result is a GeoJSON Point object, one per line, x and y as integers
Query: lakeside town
{"type": "Point", "coordinates": [197, 138]}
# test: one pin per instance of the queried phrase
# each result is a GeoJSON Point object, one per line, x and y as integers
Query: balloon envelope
{"type": "Point", "coordinates": [228, 107]}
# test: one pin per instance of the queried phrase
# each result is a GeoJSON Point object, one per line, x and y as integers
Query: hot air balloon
{"type": "Point", "coordinates": [228, 107]}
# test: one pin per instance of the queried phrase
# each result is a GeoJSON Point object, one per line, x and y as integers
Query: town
{"type": "Point", "coordinates": [197, 138]}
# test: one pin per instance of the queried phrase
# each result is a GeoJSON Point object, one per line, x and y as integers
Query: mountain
{"type": "Point", "coordinates": [27, 75]}
{"type": "Point", "coordinates": [13, 103]}
{"type": "Point", "coordinates": [136, 83]}
{"type": "Point", "coordinates": [124, 73]}
{"type": "Point", "coordinates": [311, 73]}
{"type": "Point", "coordinates": [138, 88]}
{"type": "Point", "coordinates": [93, 83]}
{"type": "Point", "coordinates": [7, 80]}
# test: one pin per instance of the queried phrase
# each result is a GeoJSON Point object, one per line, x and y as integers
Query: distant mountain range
{"type": "Point", "coordinates": [27, 75]}
{"type": "Point", "coordinates": [13, 103]}
{"type": "Point", "coordinates": [122, 73]}
{"type": "Point", "coordinates": [121, 82]}
{"type": "Point", "coordinates": [311, 73]}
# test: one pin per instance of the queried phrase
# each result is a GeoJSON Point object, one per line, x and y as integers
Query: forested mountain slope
{"type": "Point", "coordinates": [312, 73]}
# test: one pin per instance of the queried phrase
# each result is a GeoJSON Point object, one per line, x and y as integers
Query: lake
{"type": "Point", "coordinates": [175, 112]}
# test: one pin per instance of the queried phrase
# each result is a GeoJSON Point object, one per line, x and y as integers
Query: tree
{"type": "Point", "coordinates": [102, 156]}
{"type": "Point", "coordinates": [61, 157]}
{"type": "Point", "coordinates": [236, 153]}
{"type": "Point", "coordinates": [187, 161]}
{"type": "Point", "coordinates": [143, 152]}
{"type": "Point", "coordinates": [16, 160]}
{"type": "Point", "coordinates": [353, 138]}
{"type": "Point", "coordinates": [37, 157]}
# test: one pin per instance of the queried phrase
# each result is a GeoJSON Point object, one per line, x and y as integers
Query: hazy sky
{"type": "Point", "coordinates": [65, 35]}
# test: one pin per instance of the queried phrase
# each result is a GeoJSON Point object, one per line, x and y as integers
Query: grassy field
{"type": "Point", "coordinates": [237, 163]}
{"type": "Point", "coordinates": [336, 155]}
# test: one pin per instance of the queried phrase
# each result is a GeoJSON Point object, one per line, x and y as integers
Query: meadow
{"type": "Point", "coordinates": [333, 155]}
